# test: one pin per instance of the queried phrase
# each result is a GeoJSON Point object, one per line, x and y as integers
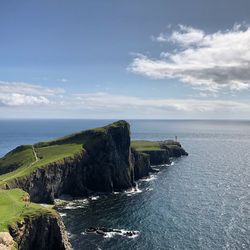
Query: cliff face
{"type": "Point", "coordinates": [141, 164]}
{"type": "Point", "coordinates": [158, 157]}
{"type": "Point", "coordinates": [27, 226]}
{"type": "Point", "coordinates": [61, 177]}
{"type": "Point", "coordinates": [41, 233]}
{"type": "Point", "coordinates": [107, 163]}
{"type": "Point", "coordinates": [177, 151]}
{"type": "Point", "coordinates": [108, 167]}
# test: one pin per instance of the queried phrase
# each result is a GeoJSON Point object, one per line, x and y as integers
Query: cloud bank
{"type": "Point", "coordinates": [21, 94]}
{"type": "Point", "coordinates": [104, 101]}
{"type": "Point", "coordinates": [38, 101]}
{"type": "Point", "coordinates": [216, 61]}
{"type": "Point", "coordinates": [17, 99]}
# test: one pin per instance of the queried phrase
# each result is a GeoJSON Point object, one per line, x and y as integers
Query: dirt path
{"type": "Point", "coordinates": [34, 152]}
{"type": "Point", "coordinates": [24, 169]}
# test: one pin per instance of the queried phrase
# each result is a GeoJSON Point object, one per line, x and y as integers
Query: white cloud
{"type": "Point", "coordinates": [20, 99]}
{"type": "Point", "coordinates": [205, 61]}
{"type": "Point", "coordinates": [106, 105]}
{"type": "Point", "coordinates": [106, 101]}
{"type": "Point", "coordinates": [187, 36]}
{"type": "Point", "coordinates": [20, 93]}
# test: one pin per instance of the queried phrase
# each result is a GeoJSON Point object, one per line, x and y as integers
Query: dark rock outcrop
{"type": "Point", "coordinates": [45, 232]}
{"type": "Point", "coordinates": [158, 157]}
{"type": "Point", "coordinates": [177, 151]}
{"type": "Point", "coordinates": [109, 167]}
{"type": "Point", "coordinates": [141, 163]}
{"type": "Point", "coordinates": [174, 148]}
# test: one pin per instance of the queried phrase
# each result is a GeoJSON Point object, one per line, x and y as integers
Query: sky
{"type": "Point", "coordinates": [134, 59]}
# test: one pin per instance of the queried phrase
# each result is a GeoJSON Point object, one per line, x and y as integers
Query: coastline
{"type": "Point", "coordinates": [107, 146]}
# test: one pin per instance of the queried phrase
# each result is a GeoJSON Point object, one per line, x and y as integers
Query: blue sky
{"type": "Point", "coordinates": [124, 59]}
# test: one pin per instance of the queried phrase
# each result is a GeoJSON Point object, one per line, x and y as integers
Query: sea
{"type": "Point", "coordinates": [201, 201]}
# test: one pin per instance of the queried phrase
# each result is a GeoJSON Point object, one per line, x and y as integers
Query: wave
{"type": "Point", "coordinates": [133, 190]}
{"type": "Point", "coordinates": [123, 232]}
{"type": "Point", "coordinates": [76, 204]}
{"type": "Point", "coordinates": [72, 207]}
{"type": "Point", "coordinates": [109, 233]}
{"type": "Point", "coordinates": [94, 198]}
{"type": "Point", "coordinates": [150, 178]}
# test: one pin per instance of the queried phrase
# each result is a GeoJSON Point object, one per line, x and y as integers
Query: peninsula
{"type": "Point", "coordinates": [97, 160]}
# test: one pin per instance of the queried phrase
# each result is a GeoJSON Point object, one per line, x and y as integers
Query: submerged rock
{"type": "Point", "coordinates": [104, 231]}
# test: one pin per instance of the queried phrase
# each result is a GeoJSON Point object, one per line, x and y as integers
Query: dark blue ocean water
{"type": "Point", "coordinates": [200, 202]}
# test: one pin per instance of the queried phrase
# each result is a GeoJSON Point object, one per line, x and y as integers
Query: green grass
{"type": "Point", "coordinates": [146, 145]}
{"type": "Point", "coordinates": [45, 156]}
{"type": "Point", "coordinates": [21, 161]}
{"type": "Point", "coordinates": [17, 158]}
{"type": "Point", "coordinates": [56, 152]}
{"type": "Point", "coordinates": [142, 145]}
{"type": "Point", "coordinates": [14, 209]}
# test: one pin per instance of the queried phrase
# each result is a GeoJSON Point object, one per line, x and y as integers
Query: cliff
{"type": "Point", "coordinates": [141, 164]}
{"type": "Point", "coordinates": [44, 232]}
{"type": "Point", "coordinates": [25, 225]}
{"type": "Point", "coordinates": [96, 160]}
{"type": "Point", "coordinates": [159, 152]}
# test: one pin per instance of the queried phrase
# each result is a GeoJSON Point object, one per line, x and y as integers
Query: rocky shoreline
{"type": "Point", "coordinates": [107, 163]}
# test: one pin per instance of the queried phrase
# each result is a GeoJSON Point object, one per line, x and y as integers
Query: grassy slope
{"type": "Point", "coordinates": [141, 145]}
{"type": "Point", "coordinates": [47, 152]}
{"type": "Point", "coordinates": [45, 156]}
{"type": "Point", "coordinates": [146, 145]}
{"type": "Point", "coordinates": [17, 158]}
{"type": "Point", "coordinates": [14, 209]}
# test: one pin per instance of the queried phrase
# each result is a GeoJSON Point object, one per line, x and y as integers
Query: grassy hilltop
{"type": "Point", "coordinates": [25, 159]}
{"type": "Point", "coordinates": [22, 161]}
{"type": "Point", "coordinates": [15, 206]}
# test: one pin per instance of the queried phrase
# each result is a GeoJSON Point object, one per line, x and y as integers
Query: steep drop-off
{"type": "Point", "coordinates": [102, 165]}
{"type": "Point", "coordinates": [25, 225]}
{"type": "Point", "coordinates": [96, 160]}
